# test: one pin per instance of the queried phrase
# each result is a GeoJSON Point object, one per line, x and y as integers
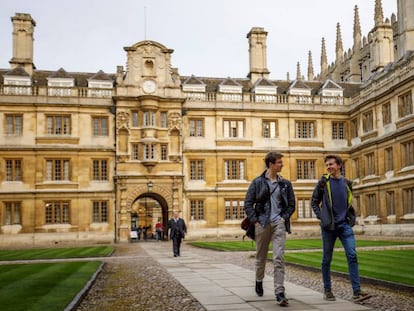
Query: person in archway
{"type": "Point", "coordinates": [159, 229]}
{"type": "Point", "coordinates": [177, 230]}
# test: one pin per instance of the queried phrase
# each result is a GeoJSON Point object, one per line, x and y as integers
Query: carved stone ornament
{"type": "Point", "coordinates": [174, 121]}
{"type": "Point", "coordinates": [122, 119]}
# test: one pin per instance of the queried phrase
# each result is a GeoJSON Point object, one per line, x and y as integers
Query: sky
{"type": "Point", "coordinates": [208, 37]}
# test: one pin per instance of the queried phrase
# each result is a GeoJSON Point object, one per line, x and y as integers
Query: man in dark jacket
{"type": "Point", "coordinates": [178, 229]}
{"type": "Point", "coordinates": [269, 203]}
{"type": "Point", "coordinates": [332, 204]}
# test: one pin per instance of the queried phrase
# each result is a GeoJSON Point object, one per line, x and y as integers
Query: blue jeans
{"type": "Point", "coordinates": [346, 235]}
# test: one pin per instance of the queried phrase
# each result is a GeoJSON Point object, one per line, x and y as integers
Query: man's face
{"type": "Point", "coordinates": [332, 167]}
{"type": "Point", "coordinates": [277, 166]}
{"type": "Point", "coordinates": [175, 215]}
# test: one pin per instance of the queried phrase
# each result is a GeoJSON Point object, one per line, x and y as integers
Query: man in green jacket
{"type": "Point", "coordinates": [332, 204]}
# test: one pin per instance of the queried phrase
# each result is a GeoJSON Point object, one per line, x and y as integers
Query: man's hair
{"type": "Point", "coordinates": [337, 159]}
{"type": "Point", "coordinates": [271, 157]}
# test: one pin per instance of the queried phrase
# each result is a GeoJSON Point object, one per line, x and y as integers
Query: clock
{"type": "Point", "coordinates": [149, 86]}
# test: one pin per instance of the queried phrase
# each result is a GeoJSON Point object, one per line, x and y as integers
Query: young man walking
{"type": "Point", "coordinates": [269, 203]}
{"type": "Point", "coordinates": [331, 202]}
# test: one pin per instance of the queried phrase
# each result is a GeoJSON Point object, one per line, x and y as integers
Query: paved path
{"type": "Point", "coordinates": [223, 286]}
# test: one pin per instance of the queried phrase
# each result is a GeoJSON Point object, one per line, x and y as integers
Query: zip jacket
{"type": "Point", "coordinates": [322, 203]}
{"type": "Point", "coordinates": [257, 202]}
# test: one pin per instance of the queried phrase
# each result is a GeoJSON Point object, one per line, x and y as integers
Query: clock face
{"type": "Point", "coordinates": [149, 86]}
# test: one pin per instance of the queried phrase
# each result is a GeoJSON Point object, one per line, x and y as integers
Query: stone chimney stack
{"type": "Point", "coordinates": [405, 26]}
{"type": "Point", "coordinates": [23, 29]}
{"type": "Point", "coordinates": [257, 54]}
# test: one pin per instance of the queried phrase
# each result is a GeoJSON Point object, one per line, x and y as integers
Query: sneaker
{"type": "Point", "coordinates": [327, 295]}
{"type": "Point", "coordinates": [259, 288]}
{"type": "Point", "coordinates": [282, 300]}
{"type": "Point", "coordinates": [359, 294]}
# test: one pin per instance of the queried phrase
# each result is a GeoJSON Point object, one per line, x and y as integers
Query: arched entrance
{"type": "Point", "coordinates": [147, 210]}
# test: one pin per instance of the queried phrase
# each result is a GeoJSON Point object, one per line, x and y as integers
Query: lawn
{"type": "Point", "coordinates": [388, 265]}
{"type": "Point", "coordinates": [248, 245]}
{"type": "Point", "coordinates": [46, 286]}
{"type": "Point", "coordinates": [43, 286]}
{"type": "Point", "coordinates": [56, 253]}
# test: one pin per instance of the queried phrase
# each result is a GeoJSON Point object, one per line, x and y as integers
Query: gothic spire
{"type": "Point", "coordinates": [339, 47]}
{"type": "Point", "coordinates": [310, 67]}
{"type": "Point", "coordinates": [357, 29]}
{"type": "Point", "coordinates": [324, 60]}
{"type": "Point", "coordinates": [379, 15]}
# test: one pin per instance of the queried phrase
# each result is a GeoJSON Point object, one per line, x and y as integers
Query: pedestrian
{"type": "Point", "coordinates": [269, 204]}
{"type": "Point", "coordinates": [332, 204]}
{"type": "Point", "coordinates": [159, 229]}
{"type": "Point", "coordinates": [139, 231]}
{"type": "Point", "coordinates": [178, 229]}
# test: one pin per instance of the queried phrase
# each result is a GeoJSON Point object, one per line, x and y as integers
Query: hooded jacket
{"type": "Point", "coordinates": [324, 212]}
{"type": "Point", "coordinates": [257, 202]}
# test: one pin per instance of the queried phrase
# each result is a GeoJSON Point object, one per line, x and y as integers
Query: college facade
{"type": "Point", "coordinates": [86, 157]}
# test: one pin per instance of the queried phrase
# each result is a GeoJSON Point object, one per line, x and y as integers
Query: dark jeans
{"type": "Point", "coordinates": [346, 235]}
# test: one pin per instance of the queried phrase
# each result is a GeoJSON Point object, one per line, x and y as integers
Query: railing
{"type": "Point", "coordinates": [55, 91]}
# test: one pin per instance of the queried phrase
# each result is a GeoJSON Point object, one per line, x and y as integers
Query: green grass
{"type": "Point", "coordinates": [248, 245]}
{"type": "Point", "coordinates": [45, 286]}
{"type": "Point", "coordinates": [388, 265]}
{"type": "Point", "coordinates": [56, 253]}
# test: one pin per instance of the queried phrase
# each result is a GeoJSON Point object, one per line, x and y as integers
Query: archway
{"type": "Point", "coordinates": [146, 211]}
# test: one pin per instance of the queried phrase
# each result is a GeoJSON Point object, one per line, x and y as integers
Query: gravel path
{"type": "Point", "coordinates": [132, 280]}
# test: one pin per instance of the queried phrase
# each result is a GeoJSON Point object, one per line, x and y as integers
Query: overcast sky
{"type": "Point", "coordinates": [208, 37]}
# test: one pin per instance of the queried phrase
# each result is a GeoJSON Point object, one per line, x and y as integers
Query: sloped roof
{"type": "Point", "coordinates": [101, 76]}
{"type": "Point", "coordinates": [193, 80]}
{"type": "Point", "coordinates": [61, 73]}
{"type": "Point", "coordinates": [18, 71]}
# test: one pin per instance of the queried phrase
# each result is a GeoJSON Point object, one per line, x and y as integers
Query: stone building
{"type": "Point", "coordinates": [88, 157]}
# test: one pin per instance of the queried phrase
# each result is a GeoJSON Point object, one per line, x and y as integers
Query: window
{"type": "Point", "coordinates": [164, 119]}
{"type": "Point", "coordinates": [357, 167]}
{"type": "Point", "coordinates": [234, 169]}
{"type": "Point", "coordinates": [58, 125]}
{"type": "Point", "coordinates": [12, 213]}
{"type": "Point", "coordinates": [149, 118]}
{"type": "Point", "coordinates": [100, 170]}
{"type": "Point", "coordinates": [408, 154]}
{"type": "Point", "coordinates": [408, 201]}
{"type": "Point", "coordinates": [57, 169]}
{"type": "Point", "coordinates": [196, 127]}
{"type": "Point", "coordinates": [164, 152]}
{"type": "Point", "coordinates": [196, 209]}
{"type": "Point", "coordinates": [14, 125]}
{"type": "Point", "coordinates": [354, 128]}
{"type": "Point", "coordinates": [100, 126]}
{"type": "Point", "coordinates": [135, 119]}
{"type": "Point", "coordinates": [149, 152]}
{"type": "Point", "coordinates": [371, 205]}
{"type": "Point", "coordinates": [305, 129]}
{"type": "Point", "coordinates": [370, 164]}
{"type": "Point", "coordinates": [135, 148]}
{"type": "Point", "coordinates": [405, 105]}
{"type": "Point", "coordinates": [305, 169]}
{"type": "Point", "coordinates": [13, 170]}
{"type": "Point", "coordinates": [57, 212]}
{"type": "Point", "coordinates": [338, 130]}
{"type": "Point", "coordinates": [390, 203]}
{"type": "Point", "coordinates": [389, 162]}
{"type": "Point", "coordinates": [196, 170]}
{"type": "Point", "coordinates": [233, 128]}
{"type": "Point", "coordinates": [386, 113]}
{"type": "Point", "coordinates": [270, 129]}
{"type": "Point", "coordinates": [100, 211]}
{"type": "Point", "coordinates": [305, 209]}
{"type": "Point", "coordinates": [234, 209]}
{"type": "Point", "coordinates": [368, 121]}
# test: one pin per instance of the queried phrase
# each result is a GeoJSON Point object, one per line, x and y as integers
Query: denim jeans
{"type": "Point", "coordinates": [346, 235]}
{"type": "Point", "coordinates": [274, 232]}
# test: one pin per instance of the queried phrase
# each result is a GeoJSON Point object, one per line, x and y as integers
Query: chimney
{"type": "Point", "coordinates": [257, 54]}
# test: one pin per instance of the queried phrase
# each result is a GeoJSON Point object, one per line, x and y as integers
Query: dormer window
{"type": "Point", "coordinates": [194, 88]}
{"type": "Point", "coordinates": [16, 85]}
{"type": "Point", "coordinates": [60, 83]}
{"type": "Point", "coordinates": [232, 90]}
{"type": "Point", "coordinates": [100, 85]}
{"type": "Point", "coordinates": [331, 93]}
